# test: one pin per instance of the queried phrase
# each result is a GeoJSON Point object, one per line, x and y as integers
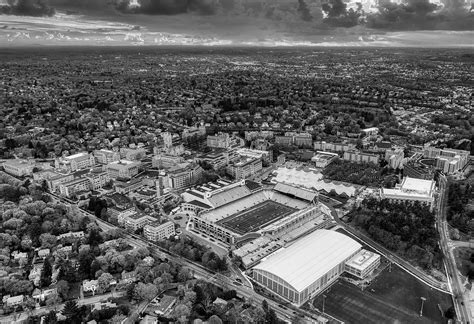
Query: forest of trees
{"type": "Point", "coordinates": [459, 214]}
{"type": "Point", "coordinates": [405, 228]}
{"type": "Point", "coordinates": [364, 174]}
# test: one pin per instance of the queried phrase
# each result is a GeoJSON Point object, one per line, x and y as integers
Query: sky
{"type": "Point", "coordinates": [439, 23]}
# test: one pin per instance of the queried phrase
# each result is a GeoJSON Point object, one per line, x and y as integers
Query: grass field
{"type": "Point", "coordinates": [258, 216]}
{"type": "Point", "coordinates": [393, 297]}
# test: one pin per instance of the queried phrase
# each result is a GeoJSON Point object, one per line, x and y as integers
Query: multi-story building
{"type": "Point", "coordinates": [323, 159]}
{"type": "Point", "coordinates": [334, 146]}
{"type": "Point", "coordinates": [106, 156]}
{"type": "Point", "coordinates": [55, 181]}
{"type": "Point", "coordinates": [266, 156]}
{"type": "Point", "coordinates": [132, 154]}
{"type": "Point", "coordinates": [97, 178]}
{"type": "Point", "coordinates": [75, 162]}
{"type": "Point", "coordinates": [194, 131]}
{"type": "Point", "coordinates": [165, 161]}
{"type": "Point", "coordinates": [123, 169]}
{"type": "Point", "coordinates": [361, 157]}
{"type": "Point", "coordinates": [416, 169]}
{"type": "Point", "coordinates": [224, 140]}
{"type": "Point", "coordinates": [363, 264]}
{"type": "Point", "coordinates": [183, 175]}
{"type": "Point", "coordinates": [411, 190]}
{"type": "Point", "coordinates": [125, 187]}
{"type": "Point", "coordinates": [244, 168]}
{"type": "Point", "coordinates": [394, 158]}
{"type": "Point", "coordinates": [449, 161]}
{"type": "Point", "coordinates": [72, 188]}
{"type": "Point", "coordinates": [293, 138]}
{"type": "Point", "coordinates": [156, 231]}
{"type": "Point", "coordinates": [137, 220]}
{"type": "Point", "coordinates": [19, 168]}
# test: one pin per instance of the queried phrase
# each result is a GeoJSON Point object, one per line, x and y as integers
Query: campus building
{"type": "Point", "coordinates": [360, 157]}
{"type": "Point", "coordinates": [411, 190]}
{"type": "Point", "coordinates": [301, 271]}
{"type": "Point", "coordinates": [323, 159]}
{"type": "Point", "coordinates": [334, 146]}
{"type": "Point", "coordinates": [97, 178]}
{"type": "Point", "coordinates": [132, 154]}
{"type": "Point", "coordinates": [123, 169]}
{"type": "Point", "coordinates": [156, 231]}
{"type": "Point", "coordinates": [363, 264]}
{"type": "Point", "coordinates": [19, 168]}
{"type": "Point", "coordinates": [244, 168]}
{"type": "Point", "coordinates": [75, 162]}
{"type": "Point", "coordinates": [183, 175]}
{"type": "Point", "coordinates": [106, 156]}
{"type": "Point", "coordinates": [449, 161]}
{"type": "Point", "coordinates": [394, 158]}
{"type": "Point", "coordinates": [72, 188]}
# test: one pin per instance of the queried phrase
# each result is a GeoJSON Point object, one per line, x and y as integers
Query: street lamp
{"type": "Point", "coordinates": [324, 298]}
{"type": "Point", "coordinates": [422, 302]}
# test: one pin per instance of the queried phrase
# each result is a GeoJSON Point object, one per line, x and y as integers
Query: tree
{"type": "Point", "coordinates": [51, 317]}
{"type": "Point", "coordinates": [71, 311]}
{"type": "Point", "coordinates": [46, 273]}
{"type": "Point", "coordinates": [48, 241]}
{"type": "Point", "coordinates": [63, 289]}
{"type": "Point", "coordinates": [104, 281]}
{"type": "Point", "coordinates": [146, 291]}
{"type": "Point", "coordinates": [117, 319]}
{"type": "Point", "coordinates": [181, 312]}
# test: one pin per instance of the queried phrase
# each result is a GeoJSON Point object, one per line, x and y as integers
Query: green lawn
{"type": "Point", "coordinates": [393, 297]}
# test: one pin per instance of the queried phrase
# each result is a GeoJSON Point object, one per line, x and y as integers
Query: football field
{"type": "Point", "coordinates": [256, 217]}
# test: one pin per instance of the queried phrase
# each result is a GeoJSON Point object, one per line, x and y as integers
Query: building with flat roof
{"type": "Point", "coordinates": [323, 159]}
{"type": "Point", "coordinates": [224, 140]}
{"type": "Point", "coordinates": [334, 146]}
{"type": "Point", "coordinates": [411, 190]}
{"type": "Point", "coordinates": [137, 220]}
{"type": "Point", "coordinates": [156, 231]}
{"type": "Point", "coordinates": [75, 162]}
{"type": "Point", "coordinates": [266, 156]}
{"type": "Point", "coordinates": [71, 188]}
{"type": "Point", "coordinates": [132, 154]}
{"type": "Point", "coordinates": [305, 268]}
{"type": "Point", "coordinates": [244, 168]}
{"type": "Point", "coordinates": [18, 167]}
{"type": "Point", "coordinates": [363, 264]}
{"type": "Point", "coordinates": [361, 157]}
{"type": "Point", "coordinates": [124, 169]}
{"type": "Point", "coordinates": [449, 161]}
{"type": "Point", "coordinates": [394, 157]}
{"type": "Point", "coordinates": [106, 156]}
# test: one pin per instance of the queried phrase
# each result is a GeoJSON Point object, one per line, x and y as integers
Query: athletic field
{"type": "Point", "coordinates": [254, 218]}
{"type": "Point", "coordinates": [393, 297]}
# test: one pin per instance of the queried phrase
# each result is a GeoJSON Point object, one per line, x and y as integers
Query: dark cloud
{"type": "Point", "coordinates": [339, 16]}
{"type": "Point", "coordinates": [421, 14]}
{"type": "Point", "coordinates": [304, 11]}
{"type": "Point", "coordinates": [35, 8]}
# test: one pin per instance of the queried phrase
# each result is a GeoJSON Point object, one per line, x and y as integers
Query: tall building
{"type": "Point", "coordinates": [71, 188]}
{"type": "Point", "coordinates": [244, 168]}
{"type": "Point", "coordinates": [156, 231]}
{"type": "Point", "coordinates": [106, 156]}
{"type": "Point", "coordinates": [75, 162]}
{"type": "Point", "coordinates": [361, 157]}
{"type": "Point", "coordinates": [447, 160]}
{"type": "Point", "coordinates": [122, 169]}
{"type": "Point", "coordinates": [394, 158]}
{"type": "Point", "coordinates": [183, 175]}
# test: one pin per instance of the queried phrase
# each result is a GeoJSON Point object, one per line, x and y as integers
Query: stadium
{"type": "Point", "coordinates": [239, 212]}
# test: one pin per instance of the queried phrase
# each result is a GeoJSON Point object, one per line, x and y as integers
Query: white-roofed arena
{"type": "Point", "coordinates": [302, 270]}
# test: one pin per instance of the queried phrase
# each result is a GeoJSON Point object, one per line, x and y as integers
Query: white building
{"type": "Point", "coordinates": [394, 158]}
{"type": "Point", "coordinates": [106, 156]}
{"type": "Point", "coordinates": [447, 160]}
{"type": "Point", "coordinates": [244, 168]}
{"type": "Point", "coordinates": [69, 189]}
{"type": "Point", "coordinates": [75, 162]}
{"type": "Point", "coordinates": [323, 159]}
{"type": "Point", "coordinates": [305, 268]}
{"type": "Point", "coordinates": [19, 167]}
{"type": "Point", "coordinates": [363, 264]}
{"type": "Point", "coordinates": [98, 179]}
{"type": "Point", "coordinates": [361, 157]}
{"type": "Point", "coordinates": [132, 154]}
{"type": "Point", "coordinates": [156, 231]}
{"type": "Point", "coordinates": [124, 169]}
{"type": "Point", "coordinates": [411, 190]}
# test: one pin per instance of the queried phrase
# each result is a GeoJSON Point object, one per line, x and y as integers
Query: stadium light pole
{"type": "Point", "coordinates": [422, 302]}
{"type": "Point", "coordinates": [324, 299]}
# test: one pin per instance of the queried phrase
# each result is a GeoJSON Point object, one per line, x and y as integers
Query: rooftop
{"type": "Point", "coordinates": [417, 185]}
{"type": "Point", "coordinates": [362, 260]}
{"type": "Point", "coordinates": [309, 258]}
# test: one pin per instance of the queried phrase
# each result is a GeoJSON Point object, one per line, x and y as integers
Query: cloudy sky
{"type": "Point", "coordinates": [237, 22]}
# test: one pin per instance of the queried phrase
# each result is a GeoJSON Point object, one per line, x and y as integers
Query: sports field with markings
{"type": "Point", "coordinates": [256, 217]}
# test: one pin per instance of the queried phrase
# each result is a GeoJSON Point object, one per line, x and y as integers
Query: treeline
{"type": "Point", "coordinates": [194, 251]}
{"type": "Point", "coordinates": [459, 215]}
{"type": "Point", "coordinates": [364, 174]}
{"type": "Point", "coordinates": [401, 227]}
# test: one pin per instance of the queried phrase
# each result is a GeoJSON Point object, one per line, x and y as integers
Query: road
{"type": "Point", "coordinates": [243, 290]}
{"type": "Point", "coordinates": [461, 303]}
{"type": "Point", "coordinates": [392, 256]}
